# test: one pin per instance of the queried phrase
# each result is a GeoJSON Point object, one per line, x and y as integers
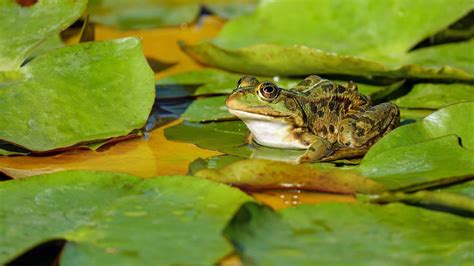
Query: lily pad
{"type": "Point", "coordinates": [228, 137]}
{"type": "Point", "coordinates": [466, 189]}
{"type": "Point", "coordinates": [326, 37]}
{"type": "Point", "coordinates": [350, 234]}
{"type": "Point", "coordinates": [264, 174]}
{"type": "Point", "coordinates": [145, 14]}
{"type": "Point", "coordinates": [447, 121]}
{"type": "Point", "coordinates": [24, 28]}
{"type": "Point", "coordinates": [430, 163]}
{"type": "Point", "coordinates": [427, 151]}
{"type": "Point", "coordinates": [436, 96]}
{"type": "Point", "coordinates": [114, 218]}
{"type": "Point", "coordinates": [450, 202]}
{"type": "Point", "coordinates": [77, 94]}
{"type": "Point", "coordinates": [208, 110]}
{"type": "Point", "coordinates": [142, 14]}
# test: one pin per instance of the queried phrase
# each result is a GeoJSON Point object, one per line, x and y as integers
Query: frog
{"type": "Point", "coordinates": [327, 120]}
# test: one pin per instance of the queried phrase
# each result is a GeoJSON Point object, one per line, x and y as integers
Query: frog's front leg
{"type": "Point", "coordinates": [362, 129]}
{"type": "Point", "coordinates": [319, 149]}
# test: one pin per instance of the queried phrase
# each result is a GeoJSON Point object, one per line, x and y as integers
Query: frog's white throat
{"type": "Point", "coordinates": [269, 131]}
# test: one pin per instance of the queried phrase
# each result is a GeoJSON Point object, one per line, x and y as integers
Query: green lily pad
{"type": "Point", "coordinates": [447, 121]}
{"type": "Point", "coordinates": [451, 202]}
{"type": "Point", "coordinates": [77, 94]}
{"type": "Point", "coordinates": [117, 219]}
{"type": "Point", "coordinates": [427, 151]}
{"type": "Point", "coordinates": [466, 189]}
{"type": "Point", "coordinates": [264, 174]}
{"type": "Point", "coordinates": [144, 14]}
{"type": "Point", "coordinates": [430, 163]}
{"type": "Point", "coordinates": [208, 110]}
{"type": "Point", "coordinates": [336, 38]}
{"type": "Point", "coordinates": [350, 234]}
{"type": "Point", "coordinates": [270, 59]}
{"type": "Point", "coordinates": [228, 137]}
{"type": "Point", "coordinates": [436, 96]}
{"type": "Point", "coordinates": [228, 10]}
{"type": "Point", "coordinates": [414, 114]}
{"type": "Point", "coordinates": [24, 28]}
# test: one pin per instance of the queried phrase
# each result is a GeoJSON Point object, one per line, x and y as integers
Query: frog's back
{"type": "Point", "coordinates": [326, 103]}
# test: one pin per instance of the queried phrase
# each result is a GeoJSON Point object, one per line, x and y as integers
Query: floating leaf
{"type": "Point", "coordinates": [436, 96]}
{"type": "Point", "coordinates": [24, 28]}
{"type": "Point", "coordinates": [114, 218]}
{"type": "Point", "coordinates": [466, 189]}
{"type": "Point", "coordinates": [93, 91]}
{"type": "Point", "coordinates": [208, 110]}
{"type": "Point", "coordinates": [424, 152]}
{"type": "Point", "coordinates": [145, 14]}
{"type": "Point", "coordinates": [142, 14]}
{"type": "Point", "coordinates": [444, 201]}
{"type": "Point", "coordinates": [447, 121]}
{"type": "Point", "coordinates": [138, 156]}
{"type": "Point", "coordinates": [350, 234]}
{"type": "Point", "coordinates": [429, 162]}
{"type": "Point", "coordinates": [228, 137]}
{"type": "Point", "coordinates": [263, 174]}
{"type": "Point", "coordinates": [414, 114]}
{"type": "Point", "coordinates": [270, 59]}
{"type": "Point", "coordinates": [326, 37]}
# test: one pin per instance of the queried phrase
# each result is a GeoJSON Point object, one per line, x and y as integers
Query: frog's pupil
{"type": "Point", "coordinates": [268, 89]}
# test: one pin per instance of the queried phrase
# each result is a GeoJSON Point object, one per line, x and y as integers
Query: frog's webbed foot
{"type": "Point", "coordinates": [318, 150]}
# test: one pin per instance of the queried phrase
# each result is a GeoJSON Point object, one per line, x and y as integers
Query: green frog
{"type": "Point", "coordinates": [328, 120]}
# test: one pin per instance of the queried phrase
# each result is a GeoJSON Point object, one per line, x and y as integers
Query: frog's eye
{"type": "Point", "coordinates": [268, 91]}
{"type": "Point", "coordinates": [247, 81]}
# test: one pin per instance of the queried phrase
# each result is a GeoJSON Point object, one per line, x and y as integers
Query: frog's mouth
{"type": "Point", "coordinates": [253, 116]}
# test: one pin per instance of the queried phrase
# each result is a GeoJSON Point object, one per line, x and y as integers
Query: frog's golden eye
{"type": "Point", "coordinates": [268, 91]}
{"type": "Point", "coordinates": [247, 81]}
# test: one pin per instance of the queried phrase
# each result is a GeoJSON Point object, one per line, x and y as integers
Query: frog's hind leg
{"type": "Point", "coordinates": [362, 129]}
{"type": "Point", "coordinates": [319, 149]}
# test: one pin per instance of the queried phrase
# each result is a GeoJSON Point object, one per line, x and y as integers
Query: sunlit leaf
{"type": "Point", "coordinates": [75, 94]}
{"type": "Point", "coordinates": [263, 174]}
{"type": "Point", "coordinates": [466, 189]}
{"type": "Point", "coordinates": [24, 28]}
{"type": "Point", "coordinates": [447, 121]}
{"type": "Point", "coordinates": [116, 219]}
{"type": "Point", "coordinates": [141, 157]}
{"type": "Point", "coordinates": [435, 96]}
{"type": "Point", "coordinates": [228, 137]}
{"type": "Point", "coordinates": [451, 202]}
{"type": "Point", "coordinates": [145, 14]}
{"type": "Point", "coordinates": [426, 151]}
{"type": "Point", "coordinates": [350, 234]}
{"type": "Point", "coordinates": [207, 110]}
{"type": "Point", "coordinates": [336, 38]}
